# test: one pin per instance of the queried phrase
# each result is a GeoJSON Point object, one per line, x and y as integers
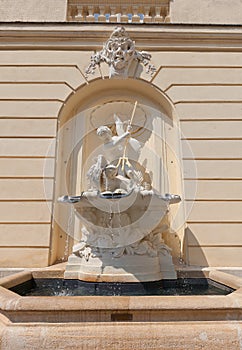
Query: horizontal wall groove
{"type": "Point", "coordinates": [27, 157]}
{"type": "Point", "coordinates": [212, 158]}
{"type": "Point", "coordinates": [215, 246]}
{"type": "Point", "coordinates": [210, 120]}
{"type": "Point", "coordinates": [33, 82]}
{"type": "Point", "coordinates": [184, 120]}
{"type": "Point", "coordinates": [213, 179]}
{"type": "Point", "coordinates": [204, 84]}
{"type": "Point", "coordinates": [33, 65]}
{"type": "Point", "coordinates": [51, 138]}
{"type": "Point", "coordinates": [24, 246]}
{"type": "Point", "coordinates": [214, 222]}
{"type": "Point", "coordinates": [213, 200]}
{"type": "Point", "coordinates": [206, 101]}
{"type": "Point", "coordinates": [29, 118]}
{"type": "Point", "coordinates": [217, 223]}
{"type": "Point", "coordinates": [214, 84]}
{"type": "Point", "coordinates": [25, 222]}
{"type": "Point", "coordinates": [28, 137]}
{"type": "Point", "coordinates": [31, 100]}
{"type": "Point", "coordinates": [22, 223]}
{"type": "Point", "coordinates": [26, 200]}
{"type": "Point", "coordinates": [26, 177]}
{"type": "Point", "coordinates": [190, 67]}
{"type": "Point", "coordinates": [212, 138]}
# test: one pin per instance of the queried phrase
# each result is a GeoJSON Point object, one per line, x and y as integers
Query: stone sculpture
{"type": "Point", "coordinates": [116, 168]}
{"type": "Point", "coordinates": [119, 52]}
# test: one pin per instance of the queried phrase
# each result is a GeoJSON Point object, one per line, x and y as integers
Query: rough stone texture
{"type": "Point", "coordinates": [206, 11]}
{"type": "Point", "coordinates": [33, 10]}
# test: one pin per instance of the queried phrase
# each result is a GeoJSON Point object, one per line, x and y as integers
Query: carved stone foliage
{"type": "Point", "coordinates": [119, 52]}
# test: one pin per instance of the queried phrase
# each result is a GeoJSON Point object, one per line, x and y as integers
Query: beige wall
{"type": "Point", "coordinates": [33, 10]}
{"type": "Point", "coordinates": [207, 99]}
{"type": "Point", "coordinates": [206, 11]}
{"type": "Point", "coordinates": [34, 86]}
{"type": "Point", "coordinates": [205, 88]}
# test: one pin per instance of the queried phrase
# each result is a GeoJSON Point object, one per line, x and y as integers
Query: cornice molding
{"type": "Point", "coordinates": [92, 36]}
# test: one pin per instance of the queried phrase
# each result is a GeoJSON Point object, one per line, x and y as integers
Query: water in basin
{"type": "Point", "coordinates": [61, 287]}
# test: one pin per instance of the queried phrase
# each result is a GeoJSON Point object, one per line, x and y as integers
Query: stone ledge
{"type": "Point", "coordinates": [92, 36]}
{"type": "Point", "coordinates": [99, 309]}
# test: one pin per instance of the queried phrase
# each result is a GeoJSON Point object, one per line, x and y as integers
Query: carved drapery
{"type": "Point", "coordinates": [140, 11]}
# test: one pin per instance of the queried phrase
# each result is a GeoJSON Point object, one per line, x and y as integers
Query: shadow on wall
{"type": "Point", "coordinates": [193, 251]}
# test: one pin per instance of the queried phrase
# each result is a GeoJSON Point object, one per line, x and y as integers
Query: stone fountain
{"type": "Point", "coordinates": [123, 218]}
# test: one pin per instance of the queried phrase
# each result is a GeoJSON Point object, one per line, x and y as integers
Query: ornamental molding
{"type": "Point", "coordinates": [91, 37]}
{"type": "Point", "coordinates": [119, 52]}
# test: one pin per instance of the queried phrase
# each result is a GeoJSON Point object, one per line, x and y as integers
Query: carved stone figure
{"type": "Point", "coordinates": [119, 52]}
{"type": "Point", "coordinates": [115, 183]}
{"type": "Point", "coordinates": [116, 168]}
{"type": "Point", "coordinates": [95, 173]}
{"type": "Point", "coordinates": [115, 145]}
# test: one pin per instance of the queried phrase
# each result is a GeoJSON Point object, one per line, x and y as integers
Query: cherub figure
{"type": "Point", "coordinates": [120, 145]}
{"type": "Point", "coordinates": [119, 153]}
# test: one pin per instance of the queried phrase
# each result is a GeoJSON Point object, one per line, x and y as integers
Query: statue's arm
{"type": "Point", "coordinates": [119, 125]}
{"type": "Point", "coordinates": [117, 139]}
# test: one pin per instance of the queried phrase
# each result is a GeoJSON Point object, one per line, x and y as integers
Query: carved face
{"type": "Point", "coordinates": [104, 133]}
{"type": "Point", "coordinates": [120, 51]}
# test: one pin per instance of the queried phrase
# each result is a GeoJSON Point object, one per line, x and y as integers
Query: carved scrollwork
{"type": "Point", "coordinates": [119, 52]}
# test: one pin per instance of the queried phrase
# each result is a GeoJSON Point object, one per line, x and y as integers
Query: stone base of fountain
{"type": "Point", "coordinates": [128, 268]}
{"type": "Point", "coordinates": [131, 322]}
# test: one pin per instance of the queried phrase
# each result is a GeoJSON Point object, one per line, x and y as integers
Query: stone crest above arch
{"type": "Point", "coordinates": [119, 53]}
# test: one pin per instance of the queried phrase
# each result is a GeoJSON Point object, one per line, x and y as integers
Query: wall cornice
{"type": "Point", "coordinates": [92, 36]}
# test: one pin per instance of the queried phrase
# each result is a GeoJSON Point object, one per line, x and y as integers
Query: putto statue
{"type": "Point", "coordinates": [117, 168]}
{"type": "Point", "coordinates": [119, 52]}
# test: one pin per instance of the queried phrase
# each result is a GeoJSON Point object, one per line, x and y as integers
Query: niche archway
{"type": "Point", "coordinates": [154, 125]}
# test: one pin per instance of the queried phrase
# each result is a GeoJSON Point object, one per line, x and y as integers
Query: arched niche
{"type": "Point", "coordinates": [154, 125]}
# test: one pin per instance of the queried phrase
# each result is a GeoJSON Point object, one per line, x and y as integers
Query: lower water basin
{"type": "Point", "coordinates": [63, 287]}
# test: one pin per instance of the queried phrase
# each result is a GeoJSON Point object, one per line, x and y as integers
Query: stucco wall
{"type": "Point", "coordinates": [33, 10]}
{"type": "Point", "coordinates": [206, 11]}
{"type": "Point", "coordinates": [34, 86]}
{"type": "Point", "coordinates": [205, 88]}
